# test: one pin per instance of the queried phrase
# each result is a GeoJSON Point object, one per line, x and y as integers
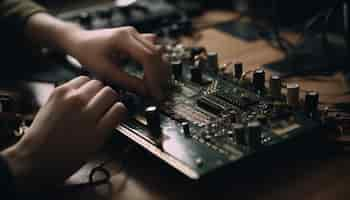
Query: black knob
{"type": "Point", "coordinates": [238, 68]}
{"type": "Point", "coordinates": [275, 86]}
{"type": "Point", "coordinates": [153, 121]}
{"type": "Point", "coordinates": [186, 129]}
{"type": "Point", "coordinates": [240, 134]}
{"type": "Point", "coordinates": [259, 79]}
{"type": "Point", "coordinates": [311, 102]}
{"type": "Point", "coordinates": [254, 134]}
{"type": "Point", "coordinates": [177, 69]}
{"type": "Point", "coordinates": [196, 75]}
{"type": "Point", "coordinates": [213, 61]}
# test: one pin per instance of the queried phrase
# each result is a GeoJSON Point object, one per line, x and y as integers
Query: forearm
{"type": "Point", "coordinates": [47, 31]}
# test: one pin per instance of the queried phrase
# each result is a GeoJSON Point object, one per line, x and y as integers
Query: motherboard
{"type": "Point", "coordinates": [212, 119]}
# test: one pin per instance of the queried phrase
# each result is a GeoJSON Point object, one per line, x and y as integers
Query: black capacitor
{"type": "Point", "coordinates": [238, 68]}
{"type": "Point", "coordinates": [275, 86]}
{"type": "Point", "coordinates": [213, 61]}
{"type": "Point", "coordinates": [259, 79]}
{"type": "Point", "coordinates": [186, 129]}
{"type": "Point", "coordinates": [196, 75]}
{"type": "Point", "coordinates": [153, 121]}
{"type": "Point", "coordinates": [6, 104]}
{"type": "Point", "coordinates": [240, 134]}
{"type": "Point", "coordinates": [254, 134]}
{"type": "Point", "coordinates": [177, 69]}
{"type": "Point", "coordinates": [311, 102]}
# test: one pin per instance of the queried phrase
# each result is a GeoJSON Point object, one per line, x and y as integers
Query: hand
{"type": "Point", "coordinates": [74, 123]}
{"type": "Point", "coordinates": [101, 50]}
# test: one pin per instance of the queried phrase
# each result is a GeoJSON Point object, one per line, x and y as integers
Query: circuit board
{"type": "Point", "coordinates": [211, 119]}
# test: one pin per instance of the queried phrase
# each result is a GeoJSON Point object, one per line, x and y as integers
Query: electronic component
{"type": "Point", "coordinates": [259, 80]}
{"type": "Point", "coordinates": [311, 103]}
{"type": "Point", "coordinates": [293, 95]}
{"type": "Point", "coordinates": [156, 16]}
{"type": "Point", "coordinates": [153, 121]}
{"type": "Point", "coordinates": [238, 69]}
{"type": "Point", "coordinates": [240, 134]}
{"type": "Point", "coordinates": [213, 61]}
{"type": "Point", "coordinates": [203, 127]}
{"type": "Point", "coordinates": [186, 129]}
{"type": "Point", "coordinates": [254, 134]}
{"type": "Point", "coordinates": [176, 67]}
{"type": "Point", "coordinates": [196, 75]}
{"type": "Point", "coordinates": [275, 87]}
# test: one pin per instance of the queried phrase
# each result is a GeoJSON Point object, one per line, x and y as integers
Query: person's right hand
{"type": "Point", "coordinates": [100, 51]}
{"type": "Point", "coordinates": [74, 123]}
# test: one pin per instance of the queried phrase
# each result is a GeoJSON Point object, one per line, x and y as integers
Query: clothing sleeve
{"type": "Point", "coordinates": [15, 13]}
{"type": "Point", "coordinates": [7, 186]}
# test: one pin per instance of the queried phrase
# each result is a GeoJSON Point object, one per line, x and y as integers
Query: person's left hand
{"type": "Point", "coordinates": [101, 51]}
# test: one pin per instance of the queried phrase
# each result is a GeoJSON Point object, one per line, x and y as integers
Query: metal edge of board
{"type": "Point", "coordinates": [157, 152]}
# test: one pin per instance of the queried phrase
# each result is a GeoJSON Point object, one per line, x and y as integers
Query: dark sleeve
{"type": "Point", "coordinates": [15, 13]}
{"type": "Point", "coordinates": [7, 186]}
{"type": "Point", "coordinates": [16, 50]}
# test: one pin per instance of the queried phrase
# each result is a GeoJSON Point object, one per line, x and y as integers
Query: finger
{"type": "Point", "coordinates": [77, 82]}
{"type": "Point", "coordinates": [114, 116]}
{"type": "Point", "coordinates": [114, 75]}
{"type": "Point", "coordinates": [150, 37]}
{"type": "Point", "coordinates": [90, 89]}
{"type": "Point", "coordinates": [102, 102]}
{"type": "Point", "coordinates": [146, 43]}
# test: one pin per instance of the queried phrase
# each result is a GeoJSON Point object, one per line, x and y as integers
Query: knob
{"type": "Point", "coordinates": [275, 86]}
{"type": "Point", "coordinates": [293, 95]}
{"type": "Point", "coordinates": [186, 129]}
{"type": "Point", "coordinates": [311, 102]}
{"type": "Point", "coordinates": [196, 75]}
{"type": "Point", "coordinates": [153, 121]}
{"type": "Point", "coordinates": [240, 134]}
{"type": "Point", "coordinates": [177, 69]}
{"type": "Point", "coordinates": [238, 68]}
{"type": "Point", "coordinates": [213, 61]}
{"type": "Point", "coordinates": [254, 134]}
{"type": "Point", "coordinates": [259, 79]}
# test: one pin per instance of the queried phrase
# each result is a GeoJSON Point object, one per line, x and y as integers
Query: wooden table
{"type": "Point", "coordinates": [314, 176]}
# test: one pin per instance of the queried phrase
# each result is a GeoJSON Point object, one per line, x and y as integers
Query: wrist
{"type": "Point", "coordinates": [18, 162]}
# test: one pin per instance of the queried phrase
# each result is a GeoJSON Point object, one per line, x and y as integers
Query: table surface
{"type": "Point", "coordinates": [315, 176]}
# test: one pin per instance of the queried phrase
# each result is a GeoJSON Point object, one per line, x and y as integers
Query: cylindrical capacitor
{"type": "Point", "coordinates": [259, 79]}
{"type": "Point", "coordinates": [238, 69]}
{"type": "Point", "coordinates": [177, 69]}
{"type": "Point", "coordinates": [196, 75]}
{"type": "Point", "coordinates": [153, 121]}
{"type": "Point", "coordinates": [254, 134]}
{"type": "Point", "coordinates": [311, 102]}
{"type": "Point", "coordinates": [213, 61]}
{"type": "Point", "coordinates": [275, 86]}
{"type": "Point", "coordinates": [293, 95]}
{"type": "Point", "coordinates": [240, 134]}
{"type": "Point", "coordinates": [186, 129]}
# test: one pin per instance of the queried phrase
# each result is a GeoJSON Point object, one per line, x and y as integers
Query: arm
{"type": "Point", "coordinates": [97, 50]}
{"type": "Point", "coordinates": [100, 51]}
{"type": "Point", "coordinates": [75, 122]}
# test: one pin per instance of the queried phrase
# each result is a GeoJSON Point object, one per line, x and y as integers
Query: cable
{"type": "Point", "coordinates": [101, 168]}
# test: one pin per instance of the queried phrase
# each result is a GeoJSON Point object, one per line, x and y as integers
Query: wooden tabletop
{"type": "Point", "coordinates": [312, 174]}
